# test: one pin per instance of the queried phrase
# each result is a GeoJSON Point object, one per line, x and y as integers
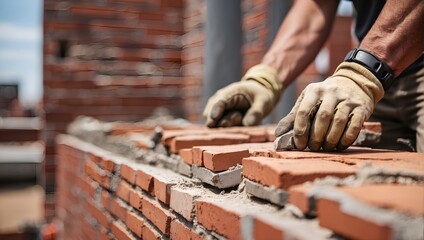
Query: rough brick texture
{"type": "Point", "coordinates": [108, 195]}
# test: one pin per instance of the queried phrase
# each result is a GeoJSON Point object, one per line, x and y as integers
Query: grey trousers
{"type": "Point", "coordinates": [401, 113]}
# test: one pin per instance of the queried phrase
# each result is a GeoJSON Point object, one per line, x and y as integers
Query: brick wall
{"type": "Point", "coordinates": [239, 189]}
{"type": "Point", "coordinates": [119, 60]}
{"type": "Point", "coordinates": [115, 60]}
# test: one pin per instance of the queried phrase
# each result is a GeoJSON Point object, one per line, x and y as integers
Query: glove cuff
{"type": "Point", "coordinates": [267, 77]}
{"type": "Point", "coordinates": [365, 79]}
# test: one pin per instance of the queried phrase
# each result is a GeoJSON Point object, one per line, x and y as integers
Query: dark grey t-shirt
{"type": "Point", "coordinates": [367, 12]}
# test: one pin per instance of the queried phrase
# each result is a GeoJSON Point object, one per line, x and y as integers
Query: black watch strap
{"type": "Point", "coordinates": [380, 69]}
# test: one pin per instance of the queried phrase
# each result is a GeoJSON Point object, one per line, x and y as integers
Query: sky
{"type": "Point", "coordinates": [21, 47]}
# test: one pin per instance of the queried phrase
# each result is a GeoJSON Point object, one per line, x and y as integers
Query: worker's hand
{"type": "Point", "coordinates": [245, 102]}
{"type": "Point", "coordinates": [331, 113]}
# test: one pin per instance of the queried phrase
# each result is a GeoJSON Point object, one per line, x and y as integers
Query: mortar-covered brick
{"type": "Point", "coordinates": [223, 159]}
{"type": "Point", "coordinates": [266, 226]}
{"type": "Point", "coordinates": [107, 164]}
{"type": "Point", "coordinates": [114, 206]}
{"type": "Point", "coordinates": [135, 223]}
{"type": "Point", "coordinates": [360, 213]}
{"type": "Point", "coordinates": [88, 230]}
{"type": "Point", "coordinates": [127, 172]}
{"type": "Point", "coordinates": [408, 199]}
{"type": "Point", "coordinates": [123, 190]}
{"type": "Point", "coordinates": [97, 174]}
{"type": "Point", "coordinates": [157, 181]}
{"type": "Point", "coordinates": [283, 173]}
{"type": "Point", "coordinates": [120, 232]}
{"type": "Point", "coordinates": [149, 233]}
{"type": "Point", "coordinates": [135, 199]}
{"type": "Point", "coordinates": [223, 151]}
{"type": "Point", "coordinates": [162, 188]}
{"type": "Point", "coordinates": [216, 216]}
{"type": "Point", "coordinates": [158, 215]}
{"type": "Point", "coordinates": [332, 217]}
{"type": "Point", "coordinates": [179, 231]}
{"type": "Point", "coordinates": [99, 215]}
{"type": "Point", "coordinates": [187, 155]}
{"type": "Point", "coordinates": [189, 141]}
{"type": "Point", "coordinates": [104, 233]}
{"type": "Point", "coordinates": [144, 181]}
{"type": "Point", "coordinates": [298, 196]}
{"type": "Point", "coordinates": [88, 186]}
{"type": "Point", "coordinates": [264, 230]}
{"type": "Point", "coordinates": [182, 200]}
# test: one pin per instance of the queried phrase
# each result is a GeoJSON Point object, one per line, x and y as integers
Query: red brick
{"type": "Point", "coordinates": [214, 216]}
{"type": "Point", "coordinates": [372, 126]}
{"type": "Point", "coordinates": [187, 155]}
{"type": "Point", "coordinates": [180, 232]}
{"type": "Point", "coordinates": [332, 217]}
{"type": "Point", "coordinates": [264, 230]}
{"type": "Point", "coordinates": [283, 173]}
{"type": "Point", "coordinates": [198, 155]}
{"type": "Point", "coordinates": [89, 186]}
{"type": "Point", "coordinates": [224, 158]}
{"type": "Point", "coordinates": [128, 173]}
{"type": "Point", "coordinates": [120, 232]}
{"type": "Point", "coordinates": [88, 230]}
{"type": "Point", "coordinates": [100, 216]}
{"type": "Point", "coordinates": [149, 233]}
{"type": "Point", "coordinates": [107, 164]}
{"type": "Point", "coordinates": [162, 189]}
{"type": "Point", "coordinates": [135, 223]}
{"type": "Point", "coordinates": [97, 174]}
{"type": "Point", "coordinates": [135, 199]}
{"type": "Point", "coordinates": [158, 215]}
{"type": "Point", "coordinates": [169, 135]}
{"type": "Point", "coordinates": [123, 191]}
{"type": "Point", "coordinates": [104, 234]}
{"type": "Point", "coordinates": [334, 213]}
{"type": "Point", "coordinates": [189, 141]}
{"type": "Point", "coordinates": [144, 181]}
{"type": "Point", "coordinates": [114, 206]}
{"type": "Point", "coordinates": [401, 198]}
{"type": "Point", "coordinates": [298, 196]}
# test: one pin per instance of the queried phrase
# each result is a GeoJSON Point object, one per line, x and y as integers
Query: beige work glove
{"type": "Point", "coordinates": [245, 102]}
{"type": "Point", "coordinates": [331, 113]}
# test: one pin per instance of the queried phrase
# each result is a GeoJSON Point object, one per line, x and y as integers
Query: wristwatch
{"type": "Point", "coordinates": [379, 68]}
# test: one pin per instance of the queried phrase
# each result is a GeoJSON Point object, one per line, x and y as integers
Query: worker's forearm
{"type": "Point", "coordinates": [397, 37]}
{"type": "Point", "coordinates": [301, 36]}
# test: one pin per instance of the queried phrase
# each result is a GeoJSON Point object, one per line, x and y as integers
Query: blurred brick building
{"type": "Point", "coordinates": [121, 59]}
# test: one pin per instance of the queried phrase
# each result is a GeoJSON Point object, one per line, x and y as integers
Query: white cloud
{"type": "Point", "coordinates": [13, 32]}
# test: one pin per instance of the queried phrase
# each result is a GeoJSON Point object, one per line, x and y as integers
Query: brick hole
{"type": "Point", "coordinates": [63, 49]}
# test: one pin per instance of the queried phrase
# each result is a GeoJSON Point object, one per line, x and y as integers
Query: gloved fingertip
{"type": "Point", "coordinates": [250, 120]}
{"type": "Point", "coordinates": [283, 127]}
{"type": "Point", "coordinates": [210, 123]}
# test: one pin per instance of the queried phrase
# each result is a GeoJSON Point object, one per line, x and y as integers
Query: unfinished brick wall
{"type": "Point", "coordinates": [119, 60]}
{"type": "Point", "coordinates": [236, 187]}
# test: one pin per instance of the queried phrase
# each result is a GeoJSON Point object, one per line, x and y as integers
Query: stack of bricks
{"type": "Point", "coordinates": [231, 184]}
